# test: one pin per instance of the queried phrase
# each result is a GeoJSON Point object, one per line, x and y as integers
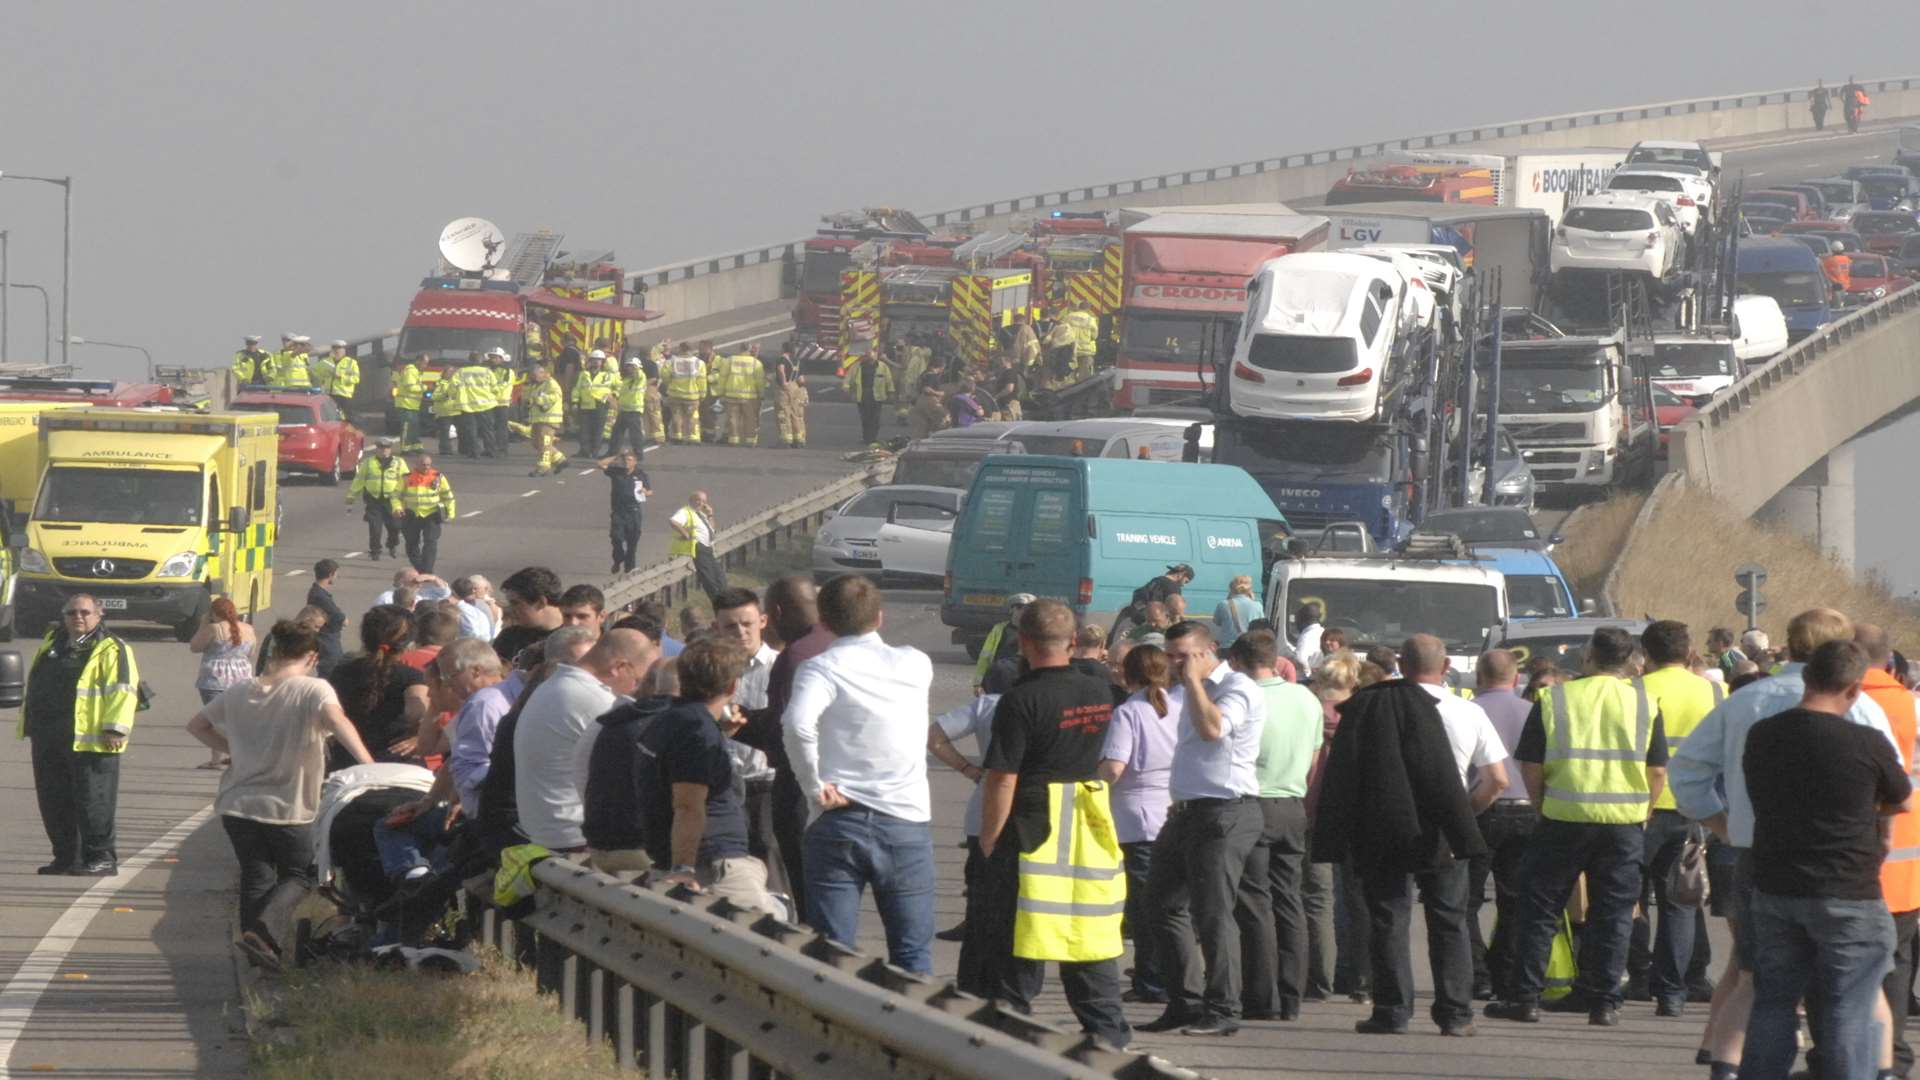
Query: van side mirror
{"type": "Point", "coordinates": [16, 538]}
{"type": "Point", "coordinates": [1587, 606]}
{"type": "Point", "coordinates": [238, 519]}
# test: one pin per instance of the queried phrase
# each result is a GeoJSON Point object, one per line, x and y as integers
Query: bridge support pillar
{"type": "Point", "coordinates": [1819, 505]}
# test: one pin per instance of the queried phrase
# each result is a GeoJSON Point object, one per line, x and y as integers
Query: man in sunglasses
{"type": "Point", "coordinates": [81, 695]}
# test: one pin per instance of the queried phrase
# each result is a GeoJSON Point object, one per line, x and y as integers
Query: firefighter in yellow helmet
{"type": "Point", "coordinates": [1052, 885]}
{"type": "Point", "coordinates": [545, 410]}
{"type": "Point", "coordinates": [686, 379]}
{"type": "Point", "coordinates": [741, 379]}
{"type": "Point", "coordinates": [345, 380]}
{"type": "Point", "coordinates": [593, 392]}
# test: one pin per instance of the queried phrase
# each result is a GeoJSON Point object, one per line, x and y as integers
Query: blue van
{"type": "Point", "coordinates": [1089, 531]}
{"type": "Point", "coordinates": [1536, 589]}
{"type": "Point", "coordinates": [1790, 272]}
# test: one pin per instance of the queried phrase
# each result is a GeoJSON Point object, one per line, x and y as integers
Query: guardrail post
{"type": "Point", "coordinates": [625, 1019]}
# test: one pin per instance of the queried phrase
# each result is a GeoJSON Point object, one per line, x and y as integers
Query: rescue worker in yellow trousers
{"type": "Point", "coordinates": [424, 504]}
{"type": "Point", "coordinates": [1051, 885]}
{"type": "Point", "coordinates": [917, 357]}
{"type": "Point", "coordinates": [686, 378]}
{"type": "Point", "coordinates": [545, 410]}
{"type": "Point", "coordinates": [407, 388]}
{"type": "Point", "coordinates": [789, 398]}
{"type": "Point", "coordinates": [740, 377]}
{"type": "Point", "coordinates": [1086, 339]}
{"type": "Point", "coordinates": [593, 392]}
{"type": "Point", "coordinates": [248, 361]}
{"type": "Point", "coordinates": [655, 370]}
{"type": "Point", "coordinates": [377, 483]}
{"type": "Point", "coordinates": [500, 366]}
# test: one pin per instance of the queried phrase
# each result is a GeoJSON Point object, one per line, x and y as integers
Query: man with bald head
{"type": "Point", "coordinates": [555, 716]}
{"type": "Point", "coordinates": [693, 537]}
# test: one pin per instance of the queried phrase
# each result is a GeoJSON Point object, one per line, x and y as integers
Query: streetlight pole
{"type": "Point", "coordinates": [141, 349]}
{"type": "Point", "coordinates": [65, 183]}
{"type": "Point", "coordinates": [5, 292]}
{"type": "Point", "coordinates": [46, 321]}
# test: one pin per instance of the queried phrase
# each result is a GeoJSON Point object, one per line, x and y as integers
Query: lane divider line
{"type": "Point", "coordinates": [30, 981]}
{"type": "Point", "coordinates": [473, 513]}
{"type": "Point", "coordinates": [529, 494]}
{"type": "Point", "coordinates": [353, 554]}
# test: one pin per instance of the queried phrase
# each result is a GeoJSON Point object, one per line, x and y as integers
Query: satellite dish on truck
{"type": "Point", "coordinates": [472, 244]}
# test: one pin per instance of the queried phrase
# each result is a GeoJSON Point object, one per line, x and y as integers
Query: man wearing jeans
{"type": "Point", "coordinates": [1820, 787]}
{"type": "Point", "coordinates": [856, 733]}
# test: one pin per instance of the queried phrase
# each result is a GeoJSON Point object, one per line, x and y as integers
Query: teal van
{"type": "Point", "coordinates": [1089, 531]}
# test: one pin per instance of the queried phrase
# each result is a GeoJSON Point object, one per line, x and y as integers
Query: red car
{"type": "Point", "coordinates": [1872, 277]}
{"type": "Point", "coordinates": [1669, 409]}
{"type": "Point", "coordinates": [314, 437]}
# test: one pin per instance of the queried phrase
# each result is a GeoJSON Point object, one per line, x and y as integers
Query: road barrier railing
{"type": "Point", "coordinates": [688, 987]}
{"type": "Point", "coordinates": [793, 521]}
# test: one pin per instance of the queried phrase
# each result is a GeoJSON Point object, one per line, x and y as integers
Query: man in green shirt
{"type": "Point", "coordinates": [1274, 938]}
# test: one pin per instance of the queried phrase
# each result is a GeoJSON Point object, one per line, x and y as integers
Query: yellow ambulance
{"type": "Point", "coordinates": [154, 512]}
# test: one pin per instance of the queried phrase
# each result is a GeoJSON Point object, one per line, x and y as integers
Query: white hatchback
{"type": "Point", "coordinates": [1321, 338]}
{"type": "Point", "coordinates": [1683, 189]}
{"type": "Point", "coordinates": [1631, 233]}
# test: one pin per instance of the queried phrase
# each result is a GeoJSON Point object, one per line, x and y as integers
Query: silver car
{"type": "Point", "coordinates": [897, 533]}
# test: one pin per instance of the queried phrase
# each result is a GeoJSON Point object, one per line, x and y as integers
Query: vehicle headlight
{"type": "Point", "coordinates": [32, 562]}
{"type": "Point", "coordinates": [1386, 502]}
{"type": "Point", "coordinates": [1512, 483]}
{"type": "Point", "coordinates": [181, 565]}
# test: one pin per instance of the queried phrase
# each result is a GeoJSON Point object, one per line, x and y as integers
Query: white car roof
{"type": "Point", "coordinates": [1313, 292]}
{"type": "Point", "coordinates": [1648, 168]}
{"type": "Point", "coordinates": [1376, 569]}
{"type": "Point", "coordinates": [1669, 144]}
{"type": "Point", "coordinates": [1622, 199]}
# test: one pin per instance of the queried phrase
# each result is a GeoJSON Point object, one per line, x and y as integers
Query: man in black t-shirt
{"type": "Point", "coordinates": [320, 595]}
{"type": "Point", "coordinates": [1048, 729]}
{"type": "Point", "coordinates": [630, 491]}
{"type": "Point", "coordinates": [1821, 789]}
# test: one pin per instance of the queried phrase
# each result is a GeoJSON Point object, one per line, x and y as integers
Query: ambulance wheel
{"type": "Point", "coordinates": [253, 603]}
{"type": "Point", "coordinates": [189, 626]}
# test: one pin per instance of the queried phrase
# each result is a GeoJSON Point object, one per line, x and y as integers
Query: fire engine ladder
{"type": "Point", "coordinates": [983, 249]}
{"type": "Point", "coordinates": [528, 255]}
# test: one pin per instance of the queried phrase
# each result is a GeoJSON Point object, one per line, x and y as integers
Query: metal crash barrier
{"type": "Point", "coordinates": [685, 987]}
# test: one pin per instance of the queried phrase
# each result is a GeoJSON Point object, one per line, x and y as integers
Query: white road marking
{"type": "Point", "coordinates": [295, 573]}
{"type": "Point", "coordinates": [22, 992]}
{"type": "Point", "coordinates": [353, 554]}
{"type": "Point", "coordinates": [1758, 172]}
{"type": "Point", "coordinates": [588, 472]}
{"type": "Point", "coordinates": [1873, 157]}
{"type": "Point", "coordinates": [472, 513]}
{"type": "Point", "coordinates": [529, 494]}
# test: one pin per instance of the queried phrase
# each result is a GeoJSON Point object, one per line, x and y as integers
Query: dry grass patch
{"type": "Point", "coordinates": [1595, 534]}
{"type": "Point", "coordinates": [356, 1023]}
{"type": "Point", "coordinates": [1682, 567]}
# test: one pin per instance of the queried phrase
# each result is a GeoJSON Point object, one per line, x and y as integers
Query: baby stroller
{"type": "Point", "coordinates": [372, 911]}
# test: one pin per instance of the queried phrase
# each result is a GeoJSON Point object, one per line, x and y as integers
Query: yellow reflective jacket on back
{"type": "Point", "coordinates": [1073, 889]}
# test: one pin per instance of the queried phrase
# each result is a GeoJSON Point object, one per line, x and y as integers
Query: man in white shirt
{"type": "Point", "coordinates": [1200, 856]}
{"type": "Point", "coordinates": [479, 614]}
{"type": "Point", "coordinates": [1306, 647]}
{"type": "Point", "coordinates": [551, 724]}
{"type": "Point", "coordinates": [425, 587]}
{"type": "Point", "coordinates": [737, 618]}
{"type": "Point", "coordinates": [856, 733]}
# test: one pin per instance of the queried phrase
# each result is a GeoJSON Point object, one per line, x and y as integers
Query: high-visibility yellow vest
{"type": "Point", "coordinates": [476, 388]}
{"type": "Point", "coordinates": [989, 649]}
{"type": "Point", "coordinates": [346, 377]}
{"type": "Point", "coordinates": [407, 387]}
{"type": "Point", "coordinates": [377, 479]}
{"type": "Point", "coordinates": [686, 378]}
{"type": "Point", "coordinates": [109, 694]}
{"type": "Point", "coordinates": [882, 381]}
{"type": "Point", "coordinates": [592, 388]}
{"type": "Point", "coordinates": [686, 545]}
{"type": "Point", "coordinates": [291, 370]}
{"type": "Point", "coordinates": [246, 365]}
{"type": "Point", "coordinates": [1073, 889]}
{"type": "Point", "coordinates": [321, 371]}
{"type": "Point", "coordinates": [503, 380]}
{"type": "Point", "coordinates": [268, 364]}
{"type": "Point", "coordinates": [741, 378]}
{"type": "Point", "coordinates": [1086, 331]}
{"type": "Point", "coordinates": [1681, 699]}
{"type": "Point", "coordinates": [1598, 729]}
{"type": "Point", "coordinates": [449, 394]}
{"type": "Point", "coordinates": [425, 494]}
{"type": "Point", "coordinates": [633, 392]}
{"type": "Point", "coordinates": [545, 403]}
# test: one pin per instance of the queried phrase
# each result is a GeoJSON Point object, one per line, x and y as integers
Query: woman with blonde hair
{"type": "Point", "coordinates": [1232, 615]}
{"type": "Point", "coordinates": [225, 647]}
{"type": "Point", "coordinates": [1138, 761]}
{"type": "Point", "coordinates": [1338, 957]}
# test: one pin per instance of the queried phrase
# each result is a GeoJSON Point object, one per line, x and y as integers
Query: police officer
{"type": "Point", "coordinates": [1052, 880]}
{"type": "Point", "coordinates": [740, 382]}
{"type": "Point", "coordinates": [425, 503]}
{"type": "Point", "coordinates": [247, 362]}
{"type": "Point", "coordinates": [266, 369]}
{"type": "Point", "coordinates": [500, 366]}
{"type": "Point", "coordinates": [631, 396]}
{"type": "Point", "coordinates": [291, 371]}
{"type": "Point", "coordinates": [449, 405]}
{"type": "Point", "coordinates": [1594, 756]}
{"type": "Point", "coordinates": [320, 372]}
{"type": "Point", "coordinates": [790, 398]}
{"type": "Point", "coordinates": [345, 378]}
{"type": "Point", "coordinates": [377, 483]}
{"type": "Point", "coordinates": [406, 386]}
{"type": "Point", "coordinates": [686, 378]}
{"type": "Point", "coordinates": [545, 412]}
{"type": "Point", "coordinates": [593, 392]}
{"type": "Point", "coordinates": [474, 384]}
{"type": "Point", "coordinates": [81, 696]}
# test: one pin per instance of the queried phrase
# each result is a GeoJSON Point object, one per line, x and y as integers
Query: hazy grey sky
{"type": "Point", "coordinates": [264, 167]}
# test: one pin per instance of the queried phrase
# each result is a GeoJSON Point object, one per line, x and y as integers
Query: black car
{"type": "Point", "coordinates": [1489, 526]}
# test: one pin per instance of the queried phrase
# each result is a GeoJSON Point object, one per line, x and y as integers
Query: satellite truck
{"type": "Point", "coordinates": [527, 296]}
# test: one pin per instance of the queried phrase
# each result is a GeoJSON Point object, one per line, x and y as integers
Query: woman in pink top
{"type": "Point", "coordinates": [1137, 760]}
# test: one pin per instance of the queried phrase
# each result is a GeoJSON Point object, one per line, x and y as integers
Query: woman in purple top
{"type": "Point", "coordinates": [962, 405]}
{"type": "Point", "coordinates": [1137, 760]}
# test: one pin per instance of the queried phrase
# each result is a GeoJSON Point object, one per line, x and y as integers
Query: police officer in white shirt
{"type": "Point", "coordinates": [1201, 853]}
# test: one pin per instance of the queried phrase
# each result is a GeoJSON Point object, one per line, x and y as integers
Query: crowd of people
{"type": "Point", "coordinates": [1259, 817]}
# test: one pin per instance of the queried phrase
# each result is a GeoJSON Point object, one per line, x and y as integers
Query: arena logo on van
{"type": "Point", "coordinates": [1225, 542]}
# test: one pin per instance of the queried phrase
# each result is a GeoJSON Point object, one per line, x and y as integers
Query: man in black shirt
{"type": "Point", "coordinates": [1821, 789]}
{"type": "Point", "coordinates": [532, 596]}
{"type": "Point", "coordinates": [320, 595]}
{"type": "Point", "coordinates": [1048, 730]}
{"type": "Point", "coordinates": [630, 491]}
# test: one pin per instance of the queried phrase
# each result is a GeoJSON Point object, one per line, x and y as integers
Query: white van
{"type": "Point", "coordinates": [1320, 338]}
{"type": "Point", "coordinates": [1759, 329]}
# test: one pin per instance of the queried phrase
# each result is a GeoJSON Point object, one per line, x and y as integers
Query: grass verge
{"type": "Point", "coordinates": [1592, 547]}
{"type": "Point", "coordinates": [1682, 567]}
{"type": "Point", "coordinates": [355, 1023]}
